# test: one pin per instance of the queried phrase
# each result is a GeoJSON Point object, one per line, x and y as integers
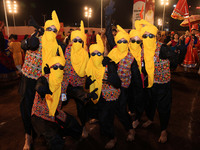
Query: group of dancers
{"type": "Point", "coordinates": [134, 77]}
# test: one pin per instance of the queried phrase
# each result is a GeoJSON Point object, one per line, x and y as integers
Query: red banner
{"type": "Point", "coordinates": [137, 6]}
{"type": "Point", "coordinates": [181, 10]}
{"type": "Point", "coordinates": [149, 11]}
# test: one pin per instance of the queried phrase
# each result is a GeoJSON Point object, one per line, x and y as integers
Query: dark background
{"type": "Point", "coordinates": [72, 11]}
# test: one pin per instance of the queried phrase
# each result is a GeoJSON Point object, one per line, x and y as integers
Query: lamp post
{"type": "Point", "coordinates": [164, 2]}
{"type": "Point", "coordinates": [44, 16]}
{"type": "Point", "coordinates": [160, 23]}
{"type": "Point", "coordinates": [101, 14]}
{"type": "Point", "coordinates": [88, 14]}
{"type": "Point", "coordinates": [12, 8]}
{"type": "Point", "coordinates": [6, 17]}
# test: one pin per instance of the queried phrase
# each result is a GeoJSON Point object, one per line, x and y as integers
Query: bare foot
{"type": "Point", "coordinates": [93, 121]}
{"type": "Point", "coordinates": [111, 143]}
{"type": "Point", "coordinates": [163, 137]}
{"type": "Point", "coordinates": [135, 124]}
{"type": "Point", "coordinates": [131, 114]}
{"type": "Point", "coordinates": [84, 133]}
{"type": "Point", "coordinates": [147, 123]}
{"type": "Point", "coordinates": [199, 71]}
{"type": "Point", "coordinates": [131, 135]}
{"type": "Point", "coordinates": [28, 142]}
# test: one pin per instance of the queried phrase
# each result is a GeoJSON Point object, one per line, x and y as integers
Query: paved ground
{"type": "Point", "coordinates": [184, 132]}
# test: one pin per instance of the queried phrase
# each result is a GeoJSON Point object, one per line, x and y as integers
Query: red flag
{"type": "Point", "coordinates": [180, 12]}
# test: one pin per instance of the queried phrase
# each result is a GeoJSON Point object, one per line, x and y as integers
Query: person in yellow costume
{"type": "Point", "coordinates": [79, 51]}
{"type": "Point", "coordinates": [136, 106]}
{"type": "Point", "coordinates": [130, 78]}
{"type": "Point", "coordinates": [157, 57]}
{"type": "Point", "coordinates": [47, 116]}
{"type": "Point", "coordinates": [55, 79]}
{"type": "Point", "coordinates": [103, 83]}
{"type": "Point", "coordinates": [135, 43]}
{"type": "Point", "coordinates": [121, 50]}
{"type": "Point", "coordinates": [15, 48]}
{"type": "Point", "coordinates": [39, 51]}
{"type": "Point", "coordinates": [76, 57]}
{"type": "Point", "coordinates": [49, 42]}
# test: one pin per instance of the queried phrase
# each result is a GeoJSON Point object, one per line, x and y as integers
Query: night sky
{"type": "Point", "coordinates": [72, 11]}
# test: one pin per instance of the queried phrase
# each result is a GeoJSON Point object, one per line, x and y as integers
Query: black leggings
{"type": "Point", "coordinates": [106, 114]}
{"type": "Point", "coordinates": [159, 97]}
{"type": "Point", "coordinates": [78, 94]}
{"type": "Point", "coordinates": [121, 109]}
{"type": "Point", "coordinates": [50, 131]}
{"type": "Point", "coordinates": [54, 131]}
{"type": "Point", "coordinates": [27, 92]}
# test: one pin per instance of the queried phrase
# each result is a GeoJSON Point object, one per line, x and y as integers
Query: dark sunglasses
{"type": "Point", "coordinates": [120, 41]}
{"type": "Point", "coordinates": [98, 54]}
{"type": "Point", "coordinates": [138, 42]}
{"type": "Point", "coordinates": [55, 67]}
{"type": "Point", "coordinates": [148, 35]}
{"type": "Point", "coordinates": [51, 29]}
{"type": "Point", "coordinates": [77, 40]}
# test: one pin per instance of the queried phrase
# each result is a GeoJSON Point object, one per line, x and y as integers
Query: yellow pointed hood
{"type": "Point", "coordinates": [121, 34]}
{"type": "Point", "coordinates": [80, 33]}
{"type": "Point", "coordinates": [135, 48]}
{"type": "Point", "coordinates": [95, 68]}
{"type": "Point", "coordinates": [54, 21]}
{"type": "Point", "coordinates": [79, 54]}
{"type": "Point", "coordinates": [49, 42]}
{"type": "Point", "coordinates": [119, 52]}
{"type": "Point", "coordinates": [149, 51]}
{"type": "Point", "coordinates": [55, 79]}
{"type": "Point", "coordinates": [137, 30]}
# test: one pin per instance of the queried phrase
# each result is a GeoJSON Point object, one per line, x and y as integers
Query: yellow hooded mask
{"type": "Point", "coordinates": [149, 51]}
{"type": "Point", "coordinates": [95, 68]}
{"type": "Point", "coordinates": [55, 79]}
{"type": "Point", "coordinates": [135, 48]}
{"type": "Point", "coordinates": [49, 43]}
{"type": "Point", "coordinates": [119, 52]}
{"type": "Point", "coordinates": [79, 55]}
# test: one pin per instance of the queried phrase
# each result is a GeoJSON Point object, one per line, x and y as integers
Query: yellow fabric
{"type": "Point", "coordinates": [149, 28]}
{"type": "Point", "coordinates": [121, 34]}
{"type": "Point", "coordinates": [95, 68]}
{"type": "Point", "coordinates": [141, 23]}
{"type": "Point", "coordinates": [55, 79]}
{"type": "Point", "coordinates": [79, 55]}
{"type": "Point", "coordinates": [119, 52]}
{"type": "Point", "coordinates": [80, 33]}
{"type": "Point", "coordinates": [15, 48]}
{"type": "Point", "coordinates": [49, 48]}
{"type": "Point", "coordinates": [56, 59]}
{"type": "Point", "coordinates": [135, 50]}
{"type": "Point", "coordinates": [49, 43]}
{"type": "Point", "coordinates": [134, 47]}
{"type": "Point", "coordinates": [149, 52]}
{"type": "Point", "coordinates": [54, 22]}
{"type": "Point", "coordinates": [134, 33]}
